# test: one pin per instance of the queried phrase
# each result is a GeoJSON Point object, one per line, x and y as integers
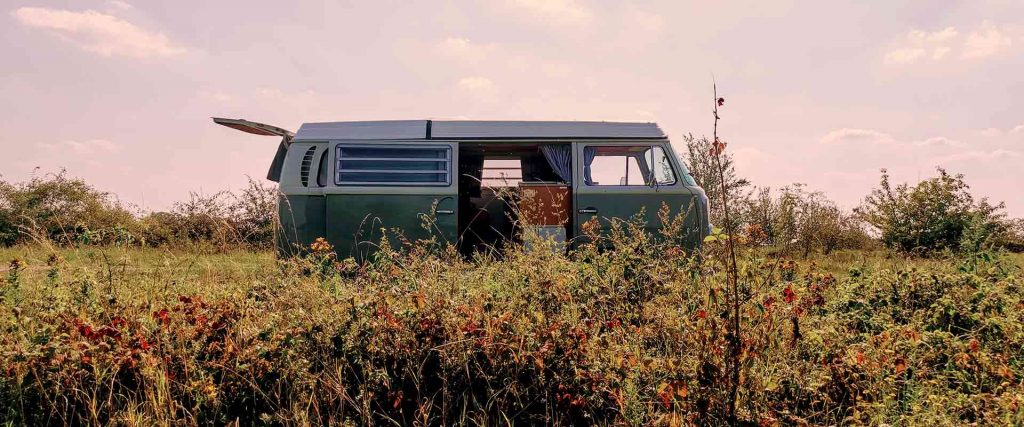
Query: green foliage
{"type": "Point", "coordinates": [68, 211]}
{"type": "Point", "coordinates": [801, 221]}
{"type": "Point", "coordinates": [61, 209]}
{"type": "Point", "coordinates": [701, 163]}
{"type": "Point", "coordinates": [936, 214]}
{"type": "Point", "coordinates": [632, 336]}
{"type": "Point", "coordinates": [222, 220]}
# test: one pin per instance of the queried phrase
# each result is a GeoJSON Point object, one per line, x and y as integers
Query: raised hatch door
{"type": "Point", "coordinates": [256, 128]}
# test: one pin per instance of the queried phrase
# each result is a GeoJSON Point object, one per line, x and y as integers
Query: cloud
{"type": "Point", "coordinates": [556, 12]}
{"type": "Point", "coordinates": [81, 148]}
{"type": "Point", "coordinates": [991, 132]}
{"type": "Point", "coordinates": [917, 46]}
{"type": "Point", "coordinates": [119, 5]}
{"type": "Point", "coordinates": [986, 41]}
{"type": "Point", "coordinates": [478, 87]}
{"type": "Point", "coordinates": [939, 141]}
{"type": "Point", "coordinates": [848, 135]}
{"type": "Point", "coordinates": [100, 33]}
{"type": "Point", "coordinates": [996, 132]}
{"type": "Point", "coordinates": [985, 156]}
{"type": "Point", "coordinates": [753, 159]}
{"type": "Point", "coordinates": [874, 137]}
{"type": "Point", "coordinates": [475, 83]}
{"type": "Point", "coordinates": [905, 55]}
{"type": "Point", "coordinates": [463, 49]}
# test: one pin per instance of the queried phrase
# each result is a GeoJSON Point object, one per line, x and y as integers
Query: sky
{"type": "Point", "coordinates": [825, 93]}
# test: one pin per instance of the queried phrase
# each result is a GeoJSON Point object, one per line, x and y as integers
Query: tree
{"type": "Point", "coordinates": [936, 214]}
{"type": "Point", "coordinates": [700, 160]}
{"type": "Point", "coordinates": [802, 220]}
{"type": "Point", "coordinates": [63, 209]}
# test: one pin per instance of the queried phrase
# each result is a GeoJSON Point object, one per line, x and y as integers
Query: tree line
{"type": "Point", "coordinates": [69, 211]}
{"type": "Point", "coordinates": [937, 214]}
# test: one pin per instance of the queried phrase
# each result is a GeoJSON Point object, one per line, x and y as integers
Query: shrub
{"type": "Point", "coordinates": [802, 221]}
{"type": "Point", "coordinates": [222, 220]}
{"type": "Point", "coordinates": [936, 214]}
{"type": "Point", "coordinates": [1012, 236]}
{"type": "Point", "coordinates": [69, 211]}
{"type": "Point", "coordinates": [634, 336]}
{"type": "Point", "coordinates": [701, 163]}
{"type": "Point", "coordinates": [62, 209]}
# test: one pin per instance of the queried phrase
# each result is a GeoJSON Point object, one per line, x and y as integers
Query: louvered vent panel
{"type": "Point", "coordinates": [307, 163]}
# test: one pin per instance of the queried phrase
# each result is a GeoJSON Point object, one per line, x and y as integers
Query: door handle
{"type": "Point", "coordinates": [588, 210]}
{"type": "Point", "coordinates": [444, 212]}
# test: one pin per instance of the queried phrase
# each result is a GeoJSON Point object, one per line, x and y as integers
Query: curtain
{"type": "Point", "coordinates": [588, 158]}
{"type": "Point", "coordinates": [536, 168]}
{"type": "Point", "coordinates": [559, 156]}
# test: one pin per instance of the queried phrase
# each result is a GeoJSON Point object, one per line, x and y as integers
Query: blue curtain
{"type": "Point", "coordinates": [559, 156]}
{"type": "Point", "coordinates": [588, 158]}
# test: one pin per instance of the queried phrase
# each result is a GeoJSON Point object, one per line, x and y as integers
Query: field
{"type": "Point", "coordinates": [137, 336]}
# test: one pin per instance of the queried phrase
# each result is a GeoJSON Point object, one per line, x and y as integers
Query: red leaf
{"type": "Point", "coordinates": [790, 296]}
{"type": "Point", "coordinates": [721, 102]}
{"type": "Point", "coordinates": [900, 365]}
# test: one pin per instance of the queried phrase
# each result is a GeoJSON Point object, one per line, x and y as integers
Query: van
{"type": "Point", "coordinates": [475, 184]}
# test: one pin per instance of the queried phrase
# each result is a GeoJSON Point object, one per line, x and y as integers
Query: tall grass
{"type": "Point", "coordinates": [425, 337]}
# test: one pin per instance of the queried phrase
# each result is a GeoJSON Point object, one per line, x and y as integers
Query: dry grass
{"type": "Point", "coordinates": [635, 336]}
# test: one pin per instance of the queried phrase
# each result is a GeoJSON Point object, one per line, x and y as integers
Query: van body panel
{"type": "Point", "coordinates": [615, 203]}
{"type": "Point", "coordinates": [363, 131]}
{"type": "Point", "coordinates": [357, 216]}
{"type": "Point", "coordinates": [302, 220]}
{"type": "Point", "coordinates": [483, 130]}
{"type": "Point", "coordinates": [356, 222]}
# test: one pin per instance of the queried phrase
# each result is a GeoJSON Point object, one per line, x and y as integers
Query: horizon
{"type": "Point", "coordinates": [820, 94]}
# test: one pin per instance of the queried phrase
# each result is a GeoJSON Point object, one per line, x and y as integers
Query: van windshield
{"type": "Point", "coordinates": [627, 165]}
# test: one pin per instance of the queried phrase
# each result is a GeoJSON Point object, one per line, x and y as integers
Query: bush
{"type": "Point", "coordinates": [68, 211]}
{"type": "Point", "coordinates": [1012, 236]}
{"type": "Point", "coordinates": [702, 166]}
{"type": "Point", "coordinates": [635, 336]}
{"type": "Point", "coordinates": [937, 214]}
{"type": "Point", "coordinates": [64, 210]}
{"type": "Point", "coordinates": [801, 221]}
{"type": "Point", "coordinates": [222, 220]}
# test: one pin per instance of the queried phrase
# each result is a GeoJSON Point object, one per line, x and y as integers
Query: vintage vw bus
{"type": "Point", "coordinates": [472, 183]}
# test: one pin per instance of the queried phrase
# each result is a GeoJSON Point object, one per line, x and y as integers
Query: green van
{"type": "Point", "coordinates": [473, 183]}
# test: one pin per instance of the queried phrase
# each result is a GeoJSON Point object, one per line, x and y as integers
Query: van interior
{"type": "Point", "coordinates": [504, 187]}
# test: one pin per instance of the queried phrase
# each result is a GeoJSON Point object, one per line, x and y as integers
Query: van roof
{"type": "Point", "coordinates": [476, 130]}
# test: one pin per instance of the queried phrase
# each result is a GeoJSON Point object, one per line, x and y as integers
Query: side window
{"type": "Point", "coordinates": [323, 175]}
{"type": "Point", "coordinates": [393, 165]}
{"type": "Point", "coordinates": [633, 165]}
{"type": "Point", "coordinates": [663, 173]}
{"type": "Point", "coordinates": [502, 173]}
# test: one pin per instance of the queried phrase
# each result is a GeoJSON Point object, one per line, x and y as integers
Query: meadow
{"type": "Point", "coordinates": [421, 336]}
